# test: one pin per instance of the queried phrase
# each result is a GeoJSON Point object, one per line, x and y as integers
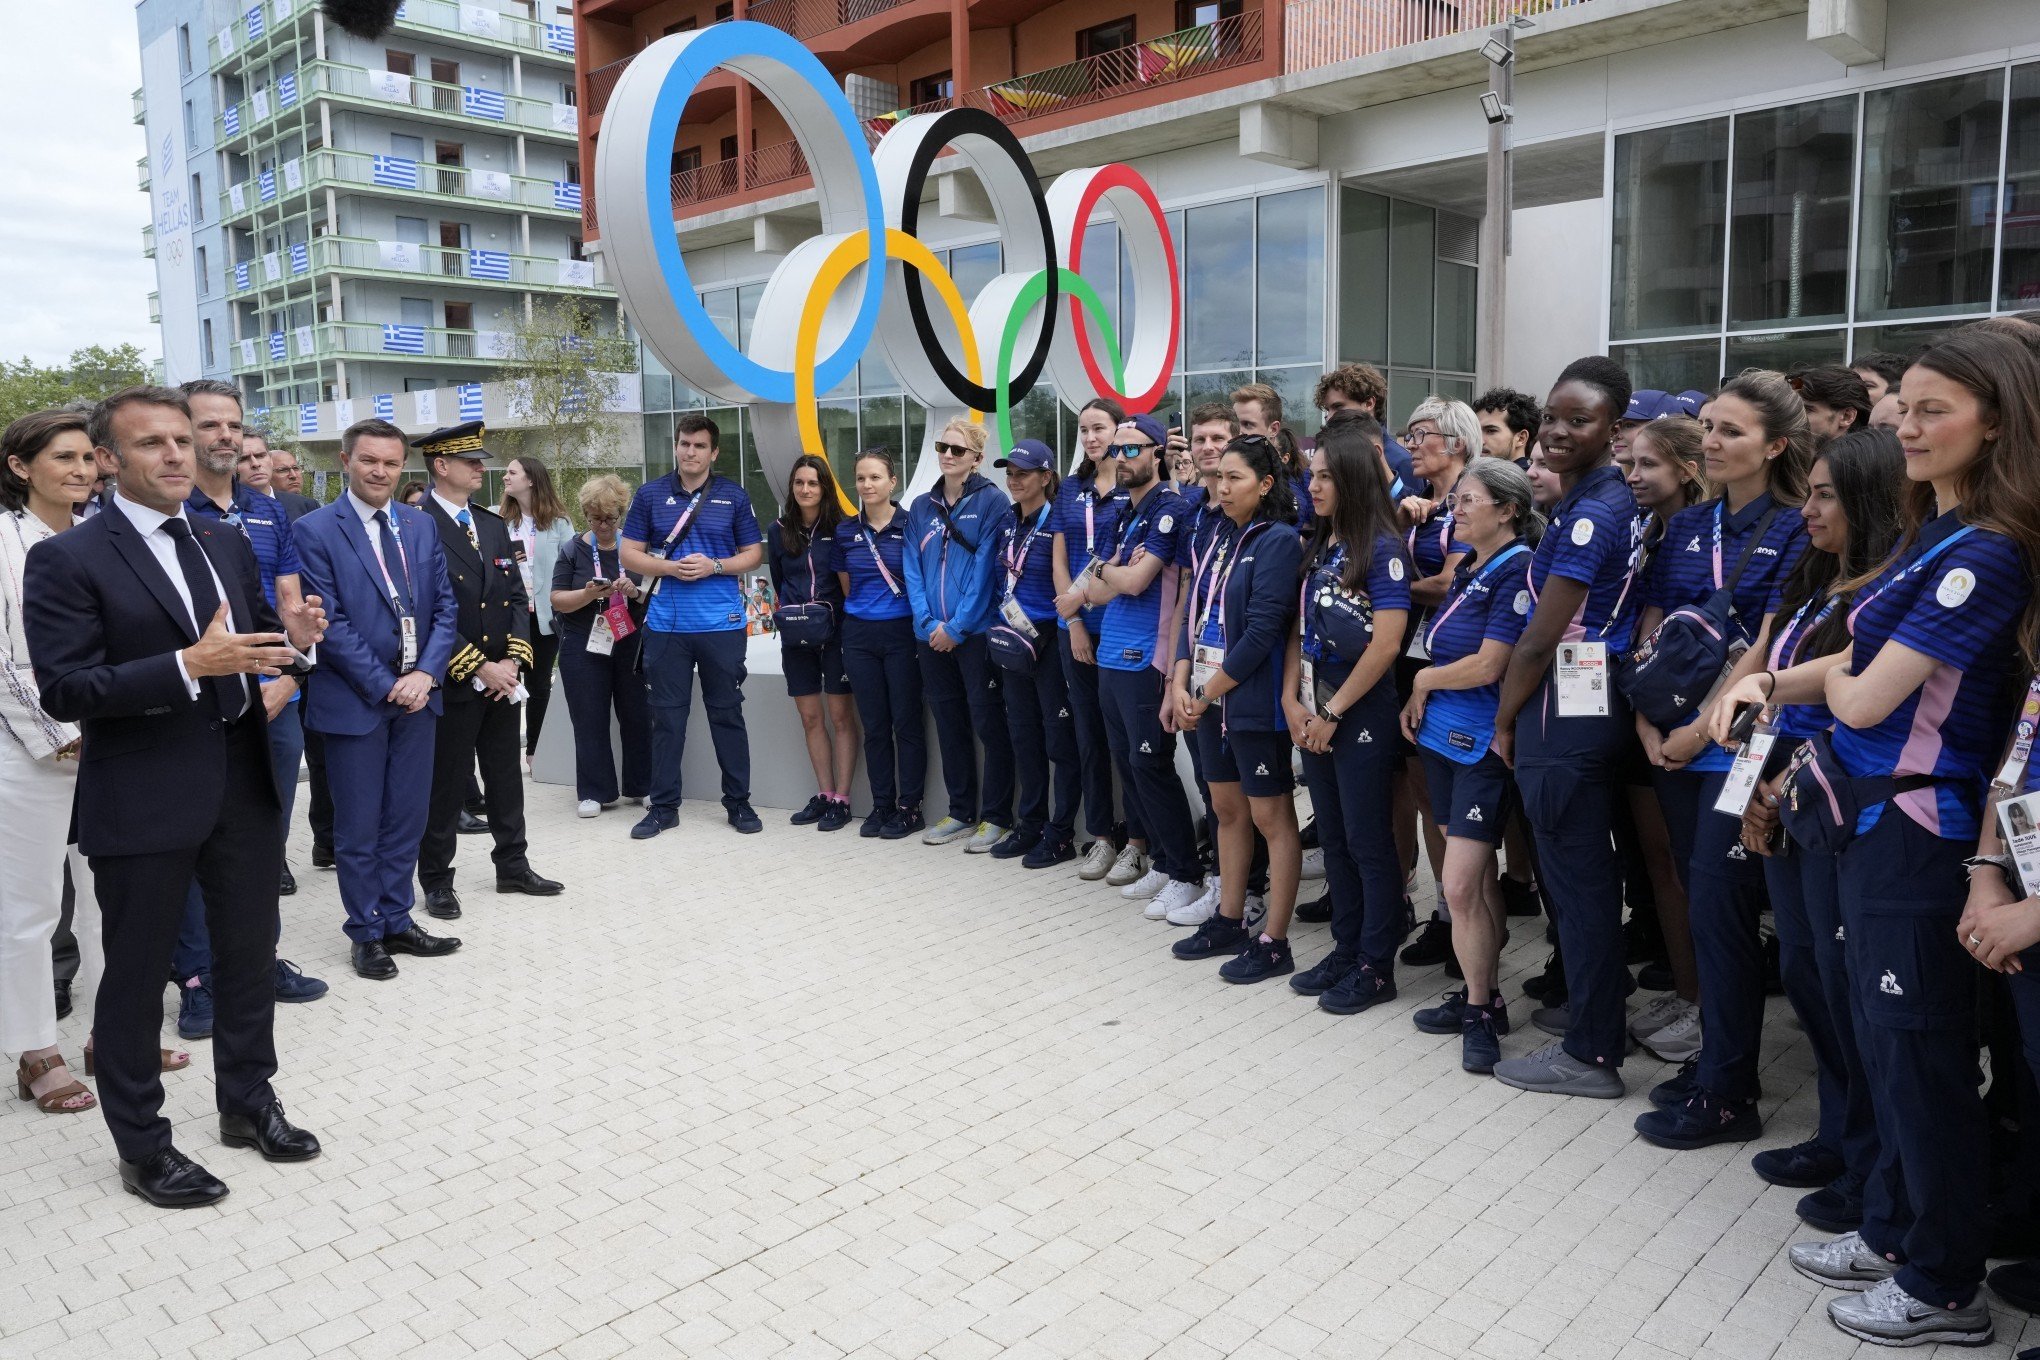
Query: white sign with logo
{"type": "Point", "coordinates": [400, 255]}
{"type": "Point", "coordinates": [427, 405]}
{"type": "Point", "coordinates": [577, 274]}
{"type": "Point", "coordinates": [170, 208]}
{"type": "Point", "coordinates": [481, 21]}
{"type": "Point", "coordinates": [391, 85]}
{"type": "Point", "coordinates": [489, 184]}
{"type": "Point", "coordinates": [304, 341]}
{"type": "Point", "coordinates": [566, 118]}
{"type": "Point", "coordinates": [343, 413]}
{"type": "Point", "coordinates": [293, 175]}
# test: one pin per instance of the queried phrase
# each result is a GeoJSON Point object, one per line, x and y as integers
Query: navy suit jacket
{"type": "Point", "coordinates": [104, 625]}
{"type": "Point", "coordinates": [364, 644]}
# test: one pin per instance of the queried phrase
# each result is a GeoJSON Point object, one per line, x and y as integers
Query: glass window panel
{"type": "Point", "coordinates": [1219, 283]}
{"type": "Point", "coordinates": [915, 434]}
{"type": "Point", "coordinates": [747, 309]}
{"type": "Point", "coordinates": [1199, 388]}
{"type": "Point", "coordinates": [1363, 277]}
{"type": "Point", "coordinates": [764, 496]}
{"type": "Point", "coordinates": [1406, 391]}
{"type": "Point", "coordinates": [1682, 366]}
{"type": "Point", "coordinates": [1670, 210]}
{"type": "Point", "coordinates": [1784, 351]}
{"type": "Point", "coordinates": [1930, 180]}
{"type": "Point", "coordinates": [2020, 272]}
{"type": "Point", "coordinates": [1413, 235]}
{"type": "Point", "coordinates": [1458, 315]}
{"type": "Point", "coordinates": [1294, 386]}
{"type": "Point", "coordinates": [1789, 233]}
{"type": "Point", "coordinates": [1906, 340]}
{"type": "Point", "coordinates": [838, 420]}
{"type": "Point", "coordinates": [721, 306]}
{"type": "Point", "coordinates": [658, 444]}
{"type": "Point", "coordinates": [1289, 297]}
{"type": "Point", "coordinates": [1034, 417]}
{"type": "Point", "coordinates": [879, 422]}
{"type": "Point", "coordinates": [1101, 271]}
{"type": "Point", "coordinates": [1458, 389]}
{"type": "Point", "coordinates": [973, 267]}
{"type": "Point", "coordinates": [874, 376]}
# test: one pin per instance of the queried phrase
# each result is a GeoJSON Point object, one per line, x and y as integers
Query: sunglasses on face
{"type": "Point", "coordinates": [954, 450]}
{"type": "Point", "coordinates": [1128, 450]}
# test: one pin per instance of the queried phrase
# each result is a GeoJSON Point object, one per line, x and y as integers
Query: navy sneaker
{"type": "Point", "coordinates": [1444, 1018]}
{"type": "Point", "coordinates": [1259, 961]}
{"type": "Point", "coordinates": [195, 1008]}
{"type": "Point", "coordinates": [1324, 975]}
{"type": "Point", "coordinates": [835, 816]}
{"type": "Point", "coordinates": [903, 823]}
{"type": "Point", "coordinates": [1016, 844]}
{"type": "Point", "coordinates": [812, 813]}
{"type": "Point", "coordinates": [1838, 1208]}
{"type": "Point", "coordinates": [655, 820]}
{"type": "Point", "coordinates": [293, 986]}
{"type": "Point", "coordinates": [1549, 985]}
{"type": "Point", "coordinates": [1219, 935]}
{"type": "Point", "coordinates": [875, 823]}
{"type": "Point", "coordinates": [1360, 988]}
{"type": "Point", "coordinates": [1521, 899]}
{"type": "Point", "coordinates": [745, 818]}
{"type": "Point", "coordinates": [1703, 1121]}
{"type": "Point", "coordinates": [1049, 851]}
{"type": "Point", "coordinates": [1480, 1037]}
{"type": "Point", "coordinates": [2019, 1285]}
{"type": "Point", "coordinates": [1677, 1090]}
{"type": "Point", "coordinates": [1803, 1166]}
{"type": "Point", "coordinates": [1315, 912]}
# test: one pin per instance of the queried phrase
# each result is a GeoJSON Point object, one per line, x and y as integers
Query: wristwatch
{"type": "Point", "coordinates": [718, 566]}
{"type": "Point", "coordinates": [1197, 693]}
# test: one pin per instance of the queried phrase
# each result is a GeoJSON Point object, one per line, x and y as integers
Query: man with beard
{"type": "Point", "coordinates": [218, 494]}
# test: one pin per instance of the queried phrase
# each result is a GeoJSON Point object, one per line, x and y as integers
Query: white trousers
{"type": "Point", "coordinates": [35, 822]}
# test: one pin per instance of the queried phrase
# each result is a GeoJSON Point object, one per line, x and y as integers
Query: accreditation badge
{"type": "Point", "coordinates": [1016, 617]}
{"type": "Point", "coordinates": [1581, 673]}
{"type": "Point", "coordinates": [407, 633]}
{"type": "Point", "coordinates": [1206, 660]}
{"type": "Point", "coordinates": [2019, 826]}
{"type": "Point", "coordinates": [1741, 783]}
{"type": "Point", "coordinates": [601, 637]}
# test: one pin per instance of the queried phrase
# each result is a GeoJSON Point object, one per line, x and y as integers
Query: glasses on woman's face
{"type": "Point", "coordinates": [602, 519]}
{"type": "Point", "coordinates": [953, 450]}
{"type": "Point", "coordinates": [1467, 502]}
{"type": "Point", "coordinates": [1417, 434]}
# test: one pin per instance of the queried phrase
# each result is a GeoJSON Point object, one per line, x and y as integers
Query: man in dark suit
{"type": "Point", "coordinates": [389, 640]}
{"type": "Point", "coordinates": [148, 630]}
{"type": "Point", "coordinates": [484, 685]}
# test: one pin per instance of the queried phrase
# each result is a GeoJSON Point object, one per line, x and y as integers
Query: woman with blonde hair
{"type": "Point", "coordinates": [598, 609]}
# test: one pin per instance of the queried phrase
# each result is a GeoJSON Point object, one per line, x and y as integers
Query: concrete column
{"type": "Point", "coordinates": [1850, 31]}
{"type": "Point", "coordinates": [959, 47]}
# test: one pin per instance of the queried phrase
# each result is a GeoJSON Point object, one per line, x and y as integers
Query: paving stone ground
{"type": "Point", "coordinates": [800, 1095]}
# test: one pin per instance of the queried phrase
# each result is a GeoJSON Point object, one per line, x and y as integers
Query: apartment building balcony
{"type": "Point", "coordinates": [149, 242]}
{"type": "Point", "coordinates": [141, 108]}
{"type": "Point", "coordinates": [430, 101]}
{"type": "Point", "coordinates": [360, 172]}
{"type": "Point", "coordinates": [373, 340]}
{"type": "Point", "coordinates": [445, 21]}
{"type": "Point", "coordinates": [142, 174]}
{"type": "Point", "coordinates": [155, 308]}
{"type": "Point", "coordinates": [361, 257]}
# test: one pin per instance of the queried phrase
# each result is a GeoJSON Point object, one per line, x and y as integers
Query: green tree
{"type": "Point", "coordinates": [91, 373]}
{"type": "Point", "coordinates": [566, 375]}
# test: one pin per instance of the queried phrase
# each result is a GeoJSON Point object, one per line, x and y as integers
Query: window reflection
{"type": "Point", "coordinates": [1930, 191]}
{"type": "Point", "coordinates": [1670, 191]}
{"type": "Point", "coordinates": [1789, 248]}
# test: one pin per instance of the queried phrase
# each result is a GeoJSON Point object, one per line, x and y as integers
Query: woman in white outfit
{"type": "Point", "coordinates": [46, 471]}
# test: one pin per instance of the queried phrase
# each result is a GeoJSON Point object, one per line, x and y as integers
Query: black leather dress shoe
{"type": "Point", "coordinates": [171, 1180]}
{"type": "Point", "coordinates": [63, 997]}
{"type": "Point", "coordinates": [527, 881]}
{"type": "Point", "coordinates": [416, 941]}
{"type": "Point", "coordinates": [269, 1133]}
{"type": "Point", "coordinates": [372, 961]}
{"type": "Point", "coordinates": [322, 856]}
{"type": "Point", "coordinates": [287, 885]}
{"type": "Point", "coordinates": [471, 825]}
{"type": "Point", "coordinates": [443, 903]}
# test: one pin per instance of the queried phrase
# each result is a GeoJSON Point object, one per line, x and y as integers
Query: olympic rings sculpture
{"type": "Point", "coordinates": [862, 285]}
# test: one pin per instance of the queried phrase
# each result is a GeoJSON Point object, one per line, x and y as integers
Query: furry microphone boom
{"type": "Point", "coordinates": [362, 18]}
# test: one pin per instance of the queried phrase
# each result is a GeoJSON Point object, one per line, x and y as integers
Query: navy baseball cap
{"type": "Point", "coordinates": [1148, 426]}
{"type": "Point", "coordinates": [1686, 404]}
{"type": "Point", "coordinates": [1028, 455]}
{"type": "Point", "coordinates": [1646, 403]}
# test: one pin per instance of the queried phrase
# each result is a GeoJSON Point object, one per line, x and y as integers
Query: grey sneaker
{"type": "Point", "coordinates": [1097, 861]}
{"type": "Point", "coordinates": [985, 837]}
{"type": "Point", "coordinates": [945, 831]}
{"type": "Point", "coordinates": [1658, 1013]}
{"type": "Point", "coordinates": [1845, 1262]}
{"type": "Point", "coordinates": [1677, 1041]}
{"type": "Point", "coordinates": [1555, 1072]}
{"type": "Point", "coordinates": [1885, 1315]}
{"type": "Point", "coordinates": [1130, 867]}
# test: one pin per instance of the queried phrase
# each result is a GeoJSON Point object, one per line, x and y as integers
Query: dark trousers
{"type": "Point", "coordinates": [1725, 893]}
{"type": "Point", "coordinates": [193, 956]}
{"type": "Point", "coordinates": [1806, 906]}
{"type": "Point", "coordinates": [1094, 746]}
{"type": "Point", "coordinates": [382, 783]}
{"type": "Point", "coordinates": [141, 901]}
{"type": "Point", "coordinates": [1146, 754]}
{"type": "Point", "coordinates": [961, 688]}
{"type": "Point", "coordinates": [538, 683]}
{"type": "Point", "coordinates": [474, 730]}
{"type": "Point", "coordinates": [596, 686]}
{"type": "Point", "coordinates": [879, 655]}
{"type": "Point", "coordinates": [319, 811]}
{"type": "Point", "coordinates": [1569, 773]}
{"type": "Point", "coordinates": [670, 662]}
{"type": "Point", "coordinates": [64, 957]}
{"type": "Point", "coordinates": [1914, 992]}
{"type": "Point", "coordinates": [1352, 788]}
{"type": "Point", "coordinates": [1044, 747]}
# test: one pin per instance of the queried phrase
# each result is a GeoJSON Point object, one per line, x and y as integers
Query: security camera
{"type": "Point", "coordinates": [1497, 51]}
{"type": "Point", "coordinates": [1493, 109]}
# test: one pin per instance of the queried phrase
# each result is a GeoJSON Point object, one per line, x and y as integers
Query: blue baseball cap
{"type": "Point", "coordinates": [1148, 426]}
{"type": "Point", "coordinates": [1028, 455]}
{"type": "Point", "coordinates": [1646, 403]}
{"type": "Point", "coordinates": [1686, 404]}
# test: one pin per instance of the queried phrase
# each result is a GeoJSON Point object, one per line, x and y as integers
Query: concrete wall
{"type": "Point", "coordinates": [1554, 291]}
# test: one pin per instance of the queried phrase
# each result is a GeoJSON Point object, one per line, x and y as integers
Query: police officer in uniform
{"type": "Point", "coordinates": [484, 683]}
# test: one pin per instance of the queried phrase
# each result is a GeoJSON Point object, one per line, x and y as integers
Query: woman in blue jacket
{"type": "Point", "coordinates": [950, 560]}
{"type": "Point", "coordinates": [869, 559]}
{"type": "Point", "coordinates": [799, 547]}
{"type": "Point", "coordinates": [1241, 603]}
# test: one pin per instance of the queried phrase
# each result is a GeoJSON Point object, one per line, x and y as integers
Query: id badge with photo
{"type": "Point", "coordinates": [1016, 617]}
{"type": "Point", "coordinates": [1307, 690]}
{"type": "Point", "coordinates": [1416, 650]}
{"type": "Point", "coordinates": [1581, 671]}
{"type": "Point", "coordinates": [1742, 779]}
{"type": "Point", "coordinates": [407, 630]}
{"type": "Point", "coordinates": [601, 637]}
{"type": "Point", "coordinates": [1205, 663]}
{"type": "Point", "coordinates": [2019, 826]}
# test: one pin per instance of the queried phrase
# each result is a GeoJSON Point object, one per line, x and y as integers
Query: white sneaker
{"type": "Point", "coordinates": [1146, 886]}
{"type": "Point", "coordinates": [1256, 913]}
{"type": "Point", "coordinates": [1844, 1262]}
{"type": "Point", "coordinates": [1314, 862]}
{"type": "Point", "coordinates": [1131, 865]}
{"type": "Point", "coordinates": [986, 836]}
{"type": "Point", "coordinates": [1194, 913]}
{"type": "Point", "coordinates": [1175, 896]}
{"type": "Point", "coordinates": [589, 808]}
{"type": "Point", "coordinates": [1677, 1041]}
{"type": "Point", "coordinates": [1661, 1011]}
{"type": "Point", "coordinates": [1097, 861]}
{"type": "Point", "coordinates": [947, 830]}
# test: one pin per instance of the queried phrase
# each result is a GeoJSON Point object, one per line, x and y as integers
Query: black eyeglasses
{"type": "Point", "coordinates": [955, 450]}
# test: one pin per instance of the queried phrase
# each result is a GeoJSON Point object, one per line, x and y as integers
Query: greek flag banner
{"type": "Point", "coordinates": [491, 265]}
{"type": "Point", "coordinates": [403, 339]}
{"type": "Point", "coordinates": [308, 418]}
{"type": "Point", "coordinates": [477, 102]}
{"type": "Point", "coordinates": [566, 197]}
{"type": "Point", "coordinates": [470, 396]}
{"type": "Point", "coordinates": [276, 351]}
{"type": "Point", "coordinates": [394, 172]}
{"type": "Point", "coordinates": [384, 404]}
{"type": "Point", "coordinates": [300, 257]}
{"type": "Point", "coordinates": [560, 38]}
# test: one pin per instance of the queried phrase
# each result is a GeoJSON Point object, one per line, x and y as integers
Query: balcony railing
{"type": "Point", "coordinates": [1322, 32]}
{"type": "Point", "coordinates": [142, 174]}
{"type": "Point", "coordinates": [357, 171]}
{"type": "Point", "coordinates": [149, 242]}
{"type": "Point", "coordinates": [373, 340]}
{"type": "Point", "coordinates": [141, 107]}
{"type": "Point", "coordinates": [473, 106]}
{"type": "Point", "coordinates": [155, 308]}
{"type": "Point", "coordinates": [360, 255]}
{"type": "Point", "coordinates": [467, 23]}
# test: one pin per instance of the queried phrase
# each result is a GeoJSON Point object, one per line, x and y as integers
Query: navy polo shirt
{"type": "Point", "coordinates": [1589, 541]}
{"type": "Point", "coordinates": [1338, 623]}
{"type": "Point", "coordinates": [1788, 642]}
{"type": "Point", "coordinates": [1487, 602]}
{"type": "Point", "coordinates": [1025, 560]}
{"type": "Point", "coordinates": [857, 552]}
{"type": "Point", "coordinates": [1132, 634]}
{"type": "Point", "coordinates": [1087, 521]}
{"type": "Point", "coordinates": [723, 526]}
{"type": "Point", "coordinates": [1956, 597]}
{"type": "Point", "coordinates": [1430, 543]}
{"type": "Point", "coordinates": [261, 519]}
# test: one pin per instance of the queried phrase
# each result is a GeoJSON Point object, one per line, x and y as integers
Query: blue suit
{"type": "Point", "coordinates": [378, 757]}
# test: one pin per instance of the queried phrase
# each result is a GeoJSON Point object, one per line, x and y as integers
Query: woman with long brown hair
{"type": "Point", "coordinates": [539, 530]}
{"type": "Point", "coordinates": [810, 615]}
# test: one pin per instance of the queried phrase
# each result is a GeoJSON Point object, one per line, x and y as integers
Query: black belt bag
{"type": "Point", "coordinates": [1820, 803]}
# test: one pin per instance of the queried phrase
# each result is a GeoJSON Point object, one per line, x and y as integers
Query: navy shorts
{"type": "Point", "coordinates": [1469, 801]}
{"type": "Point", "coordinates": [1259, 762]}
{"type": "Point", "coordinates": [814, 670]}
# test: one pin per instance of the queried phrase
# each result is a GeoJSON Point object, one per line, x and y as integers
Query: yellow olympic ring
{"type": "Point", "coordinates": [852, 251]}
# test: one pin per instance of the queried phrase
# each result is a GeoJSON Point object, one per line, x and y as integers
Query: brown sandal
{"type": "Point", "coordinates": [51, 1101]}
{"type": "Point", "coordinates": [173, 1060]}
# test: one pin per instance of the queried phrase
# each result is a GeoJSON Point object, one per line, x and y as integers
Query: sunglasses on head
{"type": "Point", "coordinates": [954, 450]}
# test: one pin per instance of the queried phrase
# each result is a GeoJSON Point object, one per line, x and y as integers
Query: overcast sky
{"type": "Point", "coordinates": [71, 216]}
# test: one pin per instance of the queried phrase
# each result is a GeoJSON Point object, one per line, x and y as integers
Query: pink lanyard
{"type": "Point", "coordinates": [1017, 566]}
{"type": "Point", "coordinates": [864, 526]}
{"type": "Point", "coordinates": [1779, 660]}
{"type": "Point", "coordinates": [1217, 596]}
{"type": "Point", "coordinates": [1459, 596]}
{"type": "Point", "coordinates": [1444, 538]}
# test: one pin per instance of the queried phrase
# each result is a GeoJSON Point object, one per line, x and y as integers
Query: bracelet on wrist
{"type": "Point", "coordinates": [2002, 863]}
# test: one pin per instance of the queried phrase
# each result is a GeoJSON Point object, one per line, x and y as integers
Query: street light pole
{"type": "Point", "coordinates": [1496, 228]}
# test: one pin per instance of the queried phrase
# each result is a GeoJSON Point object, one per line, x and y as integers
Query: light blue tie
{"type": "Point", "coordinates": [467, 522]}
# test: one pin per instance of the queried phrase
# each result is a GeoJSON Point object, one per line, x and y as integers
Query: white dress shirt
{"type": "Point", "coordinates": [149, 523]}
